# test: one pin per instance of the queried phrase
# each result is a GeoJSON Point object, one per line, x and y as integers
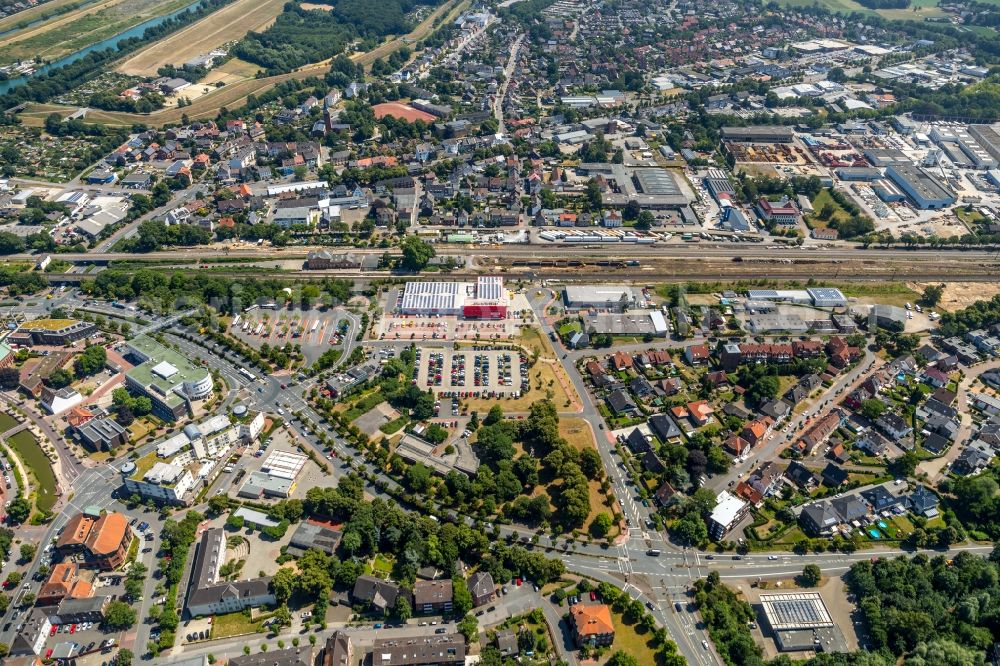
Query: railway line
{"type": "Point", "coordinates": [537, 252]}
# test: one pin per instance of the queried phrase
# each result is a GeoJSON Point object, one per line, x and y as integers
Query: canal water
{"type": "Point", "coordinates": [110, 42]}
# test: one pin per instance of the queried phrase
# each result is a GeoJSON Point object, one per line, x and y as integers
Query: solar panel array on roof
{"type": "Point", "coordinates": [427, 296]}
{"type": "Point", "coordinates": [490, 288]}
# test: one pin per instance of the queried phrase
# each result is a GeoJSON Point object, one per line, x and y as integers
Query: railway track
{"type": "Point", "coordinates": [747, 271]}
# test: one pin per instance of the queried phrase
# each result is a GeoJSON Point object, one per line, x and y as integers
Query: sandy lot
{"type": "Point", "coordinates": [228, 24]}
{"type": "Point", "coordinates": [958, 295]}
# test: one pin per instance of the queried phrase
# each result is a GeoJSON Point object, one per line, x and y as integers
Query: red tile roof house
{"type": "Point", "coordinates": [820, 431]}
{"type": "Point", "coordinates": [841, 354]}
{"type": "Point", "coordinates": [621, 361]}
{"type": "Point", "coordinates": [700, 412]}
{"type": "Point", "coordinates": [736, 445]}
{"type": "Point", "coordinates": [697, 354]}
{"type": "Point", "coordinates": [755, 431]}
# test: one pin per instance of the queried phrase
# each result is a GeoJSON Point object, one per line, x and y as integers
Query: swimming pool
{"type": "Point", "coordinates": [874, 533]}
{"type": "Point", "coordinates": [882, 524]}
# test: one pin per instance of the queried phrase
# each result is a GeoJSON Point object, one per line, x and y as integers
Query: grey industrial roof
{"type": "Point", "coordinates": [920, 181]}
{"type": "Point", "coordinates": [803, 610]}
{"type": "Point", "coordinates": [657, 181]}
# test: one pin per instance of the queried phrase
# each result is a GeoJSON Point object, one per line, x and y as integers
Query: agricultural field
{"type": "Point", "coordinates": [232, 95]}
{"type": "Point", "coordinates": [77, 30]}
{"type": "Point", "coordinates": [43, 12]}
{"type": "Point", "coordinates": [229, 24]}
{"type": "Point", "coordinates": [917, 11]}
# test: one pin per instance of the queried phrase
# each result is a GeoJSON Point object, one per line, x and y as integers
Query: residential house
{"type": "Point", "coordinates": [621, 403]}
{"type": "Point", "coordinates": [697, 354]}
{"type": "Point", "coordinates": [482, 588]}
{"type": "Point", "coordinates": [922, 501]}
{"type": "Point", "coordinates": [893, 425]}
{"type": "Point", "coordinates": [973, 459]}
{"type": "Point", "coordinates": [591, 624]}
{"type": "Point", "coordinates": [872, 443]}
{"type": "Point", "coordinates": [820, 431]}
{"type": "Point", "coordinates": [637, 442]}
{"type": "Point", "coordinates": [834, 476]}
{"type": "Point", "coordinates": [664, 428]}
{"type": "Point", "coordinates": [700, 412]}
{"type": "Point", "coordinates": [801, 475]}
{"type": "Point", "coordinates": [376, 593]}
{"type": "Point", "coordinates": [432, 596]}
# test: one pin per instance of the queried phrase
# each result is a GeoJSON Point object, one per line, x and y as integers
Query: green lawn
{"type": "Point", "coordinates": [821, 200]}
{"type": "Point", "coordinates": [32, 456]}
{"type": "Point", "coordinates": [7, 422]}
{"type": "Point", "coordinates": [970, 217]}
{"type": "Point", "coordinates": [380, 566]}
{"type": "Point", "coordinates": [633, 639]}
{"type": "Point", "coordinates": [234, 624]}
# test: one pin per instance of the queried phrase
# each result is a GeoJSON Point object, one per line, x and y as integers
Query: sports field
{"type": "Point", "coordinates": [401, 112]}
{"type": "Point", "coordinates": [81, 28]}
{"type": "Point", "coordinates": [229, 24]}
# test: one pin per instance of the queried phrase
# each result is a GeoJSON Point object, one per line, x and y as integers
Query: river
{"type": "Point", "coordinates": [110, 42]}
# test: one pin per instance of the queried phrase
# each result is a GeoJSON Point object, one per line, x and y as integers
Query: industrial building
{"type": "Point", "coordinates": [277, 477]}
{"type": "Point", "coordinates": [485, 299]}
{"type": "Point", "coordinates": [652, 188]}
{"type": "Point", "coordinates": [614, 297]}
{"type": "Point", "coordinates": [827, 297]}
{"type": "Point", "coordinates": [800, 621]}
{"type": "Point", "coordinates": [758, 134]}
{"type": "Point", "coordinates": [630, 322]}
{"type": "Point", "coordinates": [923, 189]}
{"type": "Point", "coordinates": [169, 380]}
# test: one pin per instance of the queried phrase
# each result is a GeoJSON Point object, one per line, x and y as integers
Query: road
{"type": "Point", "coordinates": [508, 72]}
{"type": "Point", "coordinates": [661, 580]}
{"type": "Point", "coordinates": [817, 407]}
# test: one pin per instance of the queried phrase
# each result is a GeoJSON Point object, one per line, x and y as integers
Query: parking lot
{"type": "Point", "coordinates": [471, 373]}
{"type": "Point", "coordinates": [314, 331]}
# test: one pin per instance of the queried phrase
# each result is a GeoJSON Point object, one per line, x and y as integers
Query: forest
{"type": "Point", "coordinates": [981, 314]}
{"type": "Point", "coordinates": [929, 611]}
{"type": "Point", "coordinates": [300, 36]}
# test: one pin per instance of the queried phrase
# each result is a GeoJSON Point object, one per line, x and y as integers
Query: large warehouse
{"type": "Point", "coordinates": [486, 299]}
{"type": "Point", "coordinates": [615, 297]}
{"type": "Point", "coordinates": [923, 189]}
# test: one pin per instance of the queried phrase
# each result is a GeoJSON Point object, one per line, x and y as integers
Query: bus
{"type": "Point", "coordinates": [236, 321]}
{"type": "Point", "coordinates": [249, 375]}
{"type": "Point", "coordinates": [251, 308]}
{"type": "Point", "coordinates": [260, 327]}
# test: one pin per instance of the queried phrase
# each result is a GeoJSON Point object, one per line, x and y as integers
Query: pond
{"type": "Point", "coordinates": [32, 456]}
